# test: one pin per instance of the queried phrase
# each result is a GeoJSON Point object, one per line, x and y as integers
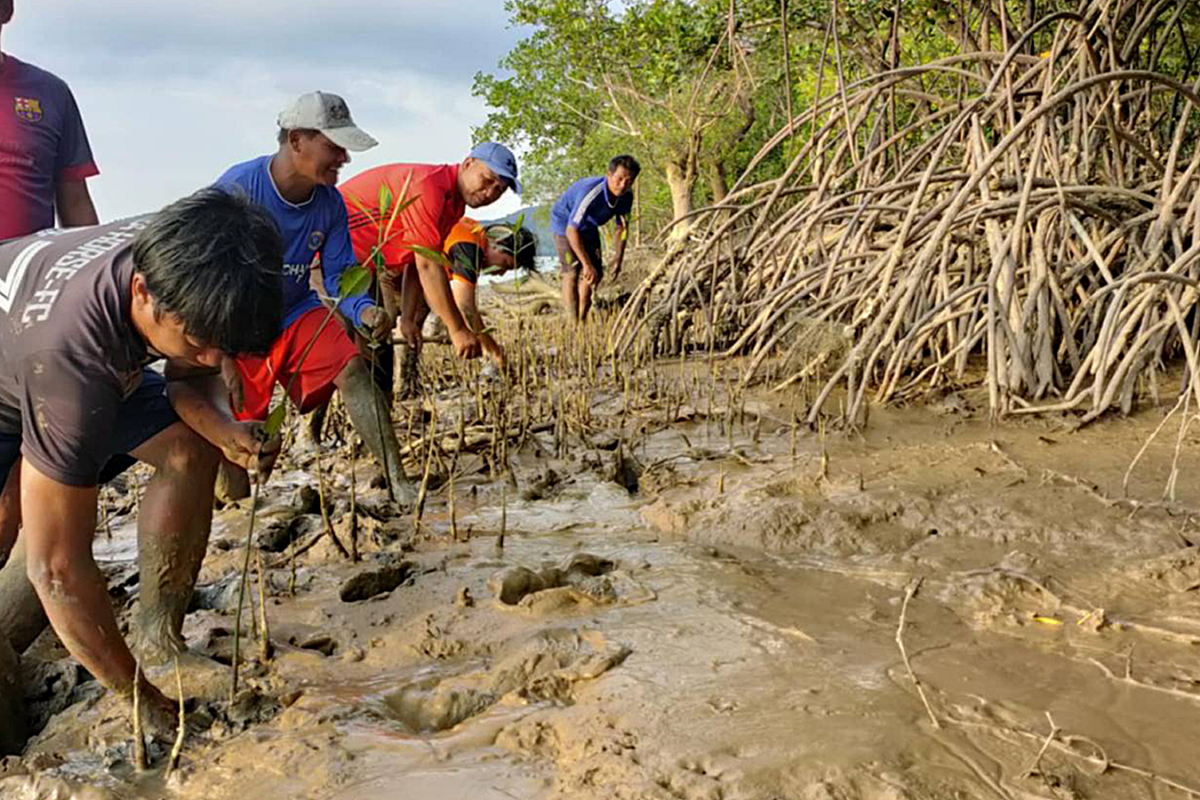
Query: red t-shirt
{"type": "Point", "coordinates": [437, 206]}
{"type": "Point", "coordinates": [42, 142]}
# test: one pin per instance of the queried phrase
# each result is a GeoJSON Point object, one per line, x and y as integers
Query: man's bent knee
{"type": "Point", "coordinates": [180, 450]}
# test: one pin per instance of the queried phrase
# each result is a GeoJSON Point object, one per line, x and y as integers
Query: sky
{"type": "Point", "coordinates": [173, 93]}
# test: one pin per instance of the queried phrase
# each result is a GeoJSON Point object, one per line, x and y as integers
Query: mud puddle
{"type": "Point", "coordinates": [711, 613]}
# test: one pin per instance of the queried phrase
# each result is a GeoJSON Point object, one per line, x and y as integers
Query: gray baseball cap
{"type": "Point", "coordinates": [329, 114]}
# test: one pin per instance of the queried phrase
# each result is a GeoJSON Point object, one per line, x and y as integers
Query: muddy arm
{"type": "Point", "coordinates": [464, 298]}
{"type": "Point", "coordinates": [436, 287]}
{"type": "Point", "coordinates": [60, 521]}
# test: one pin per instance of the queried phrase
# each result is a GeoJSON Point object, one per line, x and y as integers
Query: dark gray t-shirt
{"type": "Point", "coordinates": [69, 354]}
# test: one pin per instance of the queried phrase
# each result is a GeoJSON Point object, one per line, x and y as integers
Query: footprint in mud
{"type": "Point", "coordinates": [541, 668]}
{"type": "Point", "coordinates": [375, 581]}
{"type": "Point", "coordinates": [583, 580]}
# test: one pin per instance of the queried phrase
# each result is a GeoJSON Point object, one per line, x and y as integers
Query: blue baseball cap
{"type": "Point", "coordinates": [499, 160]}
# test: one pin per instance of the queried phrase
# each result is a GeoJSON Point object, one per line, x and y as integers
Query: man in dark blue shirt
{"type": "Point", "coordinates": [576, 220]}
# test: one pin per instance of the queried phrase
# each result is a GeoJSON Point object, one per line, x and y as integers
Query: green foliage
{"type": "Point", "coordinates": [355, 280]}
{"type": "Point", "coordinates": [594, 79]}
{"type": "Point", "coordinates": [425, 252]}
{"type": "Point", "coordinates": [275, 420]}
{"type": "Point", "coordinates": [662, 79]}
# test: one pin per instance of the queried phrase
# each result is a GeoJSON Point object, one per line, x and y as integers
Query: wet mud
{"type": "Point", "coordinates": [720, 607]}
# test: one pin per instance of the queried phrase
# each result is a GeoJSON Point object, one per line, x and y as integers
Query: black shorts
{"type": "Point", "coordinates": [569, 262]}
{"type": "Point", "coordinates": [142, 416]}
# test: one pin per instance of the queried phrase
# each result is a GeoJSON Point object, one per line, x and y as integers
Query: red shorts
{"type": "Point", "coordinates": [313, 385]}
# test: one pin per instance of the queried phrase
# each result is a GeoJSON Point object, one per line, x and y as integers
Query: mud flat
{"type": "Point", "coordinates": [691, 601]}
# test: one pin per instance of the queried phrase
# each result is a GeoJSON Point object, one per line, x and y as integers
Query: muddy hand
{"type": "Point", "coordinates": [411, 332]}
{"type": "Point", "coordinates": [466, 343]}
{"type": "Point", "coordinates": [495, 350]}
{"type": "Point", "coordinates": [589, 274]}
{"type": "Point", "coordinates": [159, 713]}
{"type": "Point", "coordinates": [378, 323]}
{"type": "Point", "coordinates": [248, 445]}
{"type": "Point", "coordinates": [233, 382]}
{"type": "Point", "coordinates": [268, 454]}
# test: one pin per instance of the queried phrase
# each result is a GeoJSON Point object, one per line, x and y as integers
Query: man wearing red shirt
{"type": "Point", "coordinates": [45, 158]}
{"type": "Point", "coordinates": [440, 195]}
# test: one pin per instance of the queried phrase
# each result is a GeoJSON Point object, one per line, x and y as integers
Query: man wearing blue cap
{"type": "Point", "coordinates": [440, 195]}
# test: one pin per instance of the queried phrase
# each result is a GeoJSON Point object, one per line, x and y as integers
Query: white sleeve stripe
{"type": "Point", "coordinates": [587, 200]}
{"type": "Point", "coordinates": [11, 282]}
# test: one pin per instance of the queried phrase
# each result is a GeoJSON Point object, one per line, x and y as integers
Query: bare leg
{"type": "Point", "coordinates": [12, 702]}
{"type": "Point", "coordinates": [585, 299]}
{"type": "Point", "coordinates": [405, 380]}
{"type": "Point", "coordinates": [371, 418]}
{"type": "Point", "coordinates": [173, 528]}
{"type": "Point", "coordinates": [10, 511]}
{"type": "Point", "coordinates": [570, 294]}
{"type": "Point", "coordinates": [22, 618]}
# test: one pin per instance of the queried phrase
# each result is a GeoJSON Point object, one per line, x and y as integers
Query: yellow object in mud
{"type": "Point", "coordinates": [1046, 620]}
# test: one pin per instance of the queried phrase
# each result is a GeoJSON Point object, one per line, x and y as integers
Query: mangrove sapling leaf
{"type": "Point", "coordinates": [275, 420]}
{"type": "Point", "coordinates": [355, 280]}
{"type": "Point", "coordinates": [432, 255]}
{"type": "Point", "coordinates": [403, 202]}
{"type": "Point", "coordinates": [385, 199]}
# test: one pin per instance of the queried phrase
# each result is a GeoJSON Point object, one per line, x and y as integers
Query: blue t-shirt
{"type": "Point", "coordinates": [587, 205]}
{"type": "Point", "coordinates": [316, 227]}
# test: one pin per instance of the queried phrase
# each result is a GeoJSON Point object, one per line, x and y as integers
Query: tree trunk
{"type": "Point", "coordinates": [717, 181]}
{"type": "Point", "coordinates": [681, 182]}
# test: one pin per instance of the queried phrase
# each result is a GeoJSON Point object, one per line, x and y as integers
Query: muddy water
{"type": "Point", "coordinates": [740, 641]}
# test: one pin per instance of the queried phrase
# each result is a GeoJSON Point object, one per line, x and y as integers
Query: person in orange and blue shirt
{"type": "Point", "coordinates": [473, 250]}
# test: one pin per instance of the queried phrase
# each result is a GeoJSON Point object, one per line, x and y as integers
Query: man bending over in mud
{"type": "Point", "coordinates": [84, 313]}
{"type": "Point", "coordinates": [473, 250]}
{"type": "Point", "coordinates": [576, 219]}
{"type": "Point", "coordinates": [414, 279]}
{"type": "Point", "coordinates": [296, 186]}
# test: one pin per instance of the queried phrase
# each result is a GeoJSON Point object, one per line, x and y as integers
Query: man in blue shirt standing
{"type": "Point", "coordinates": [576, 220]}
{"type": "Point", "coordinates": [296, 186]}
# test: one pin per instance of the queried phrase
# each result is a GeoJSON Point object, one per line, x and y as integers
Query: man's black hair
{"type": "Point", "coordinates": [215, 260]}
{"type": "Point", "coordinates": [520, 242]}
{"type": "Point", "coordinates": [628, 162]}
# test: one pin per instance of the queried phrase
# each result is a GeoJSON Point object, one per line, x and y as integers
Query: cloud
{"type": "Point", "coordinates": [173, 94]}
{"type": "Point", "coordinates": [445, 38]}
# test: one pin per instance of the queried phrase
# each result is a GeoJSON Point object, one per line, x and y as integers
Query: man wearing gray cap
{"type": "Point", "coordinates": [297, 186]}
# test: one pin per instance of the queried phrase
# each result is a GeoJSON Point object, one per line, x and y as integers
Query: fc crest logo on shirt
{"type": "Point", "coordinates": [28, 108]}
{"type": "Point", "coordinates": [315, 240]}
